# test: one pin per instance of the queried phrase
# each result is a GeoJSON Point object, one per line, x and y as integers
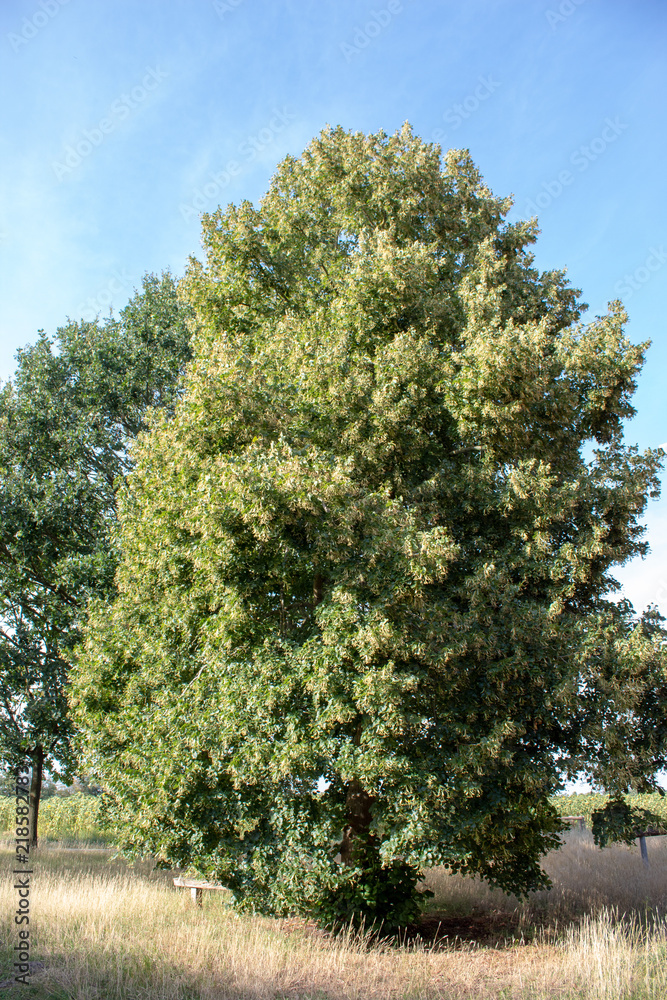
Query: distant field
{"type": "Point", "coordinates": [71, 818]}
{"type": "Point", "coordinates": [76, 818]}
{"type": "Point", "coordinates": [585, 804]}
{"type": "Point", "coordinates": [104, 931]}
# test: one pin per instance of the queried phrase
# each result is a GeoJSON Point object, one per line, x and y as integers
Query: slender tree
{"type": "Point", "coordinates": [362, 622]}
{"type": "Point", "coordinates": [66, 419]}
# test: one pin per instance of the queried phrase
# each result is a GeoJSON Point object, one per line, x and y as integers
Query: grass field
{"type": "Point", "coordinates": [103, 931]}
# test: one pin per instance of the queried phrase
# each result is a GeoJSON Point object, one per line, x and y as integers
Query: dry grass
{"type": "Point", "coordinates": [585, 880]}
{"type": "Point", "coordinates": [104, 932]}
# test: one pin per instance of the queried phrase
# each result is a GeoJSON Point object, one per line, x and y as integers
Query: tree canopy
{"type": "Point", "coordinates": [66, 418]}
{"type": "Point", "coordinates": [363, 609]}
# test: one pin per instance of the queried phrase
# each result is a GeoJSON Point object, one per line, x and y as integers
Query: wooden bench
{"type": "Point", "coordinates": [642, 843]}
{"type": "Point", "coordinates": [196, 887]}
{"type": "Point", "coordinates": [574, 819]}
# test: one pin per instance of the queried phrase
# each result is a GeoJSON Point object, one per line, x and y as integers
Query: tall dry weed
{"type": "Point", "coordinates": [104, 932]}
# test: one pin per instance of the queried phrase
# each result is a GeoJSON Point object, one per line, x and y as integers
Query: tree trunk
{"type": "Point", "coordinates": [35, 791]}
{"type": "Point", "coordinates": [358, 805]}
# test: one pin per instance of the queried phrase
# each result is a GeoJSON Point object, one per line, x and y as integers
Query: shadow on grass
{"type": "Point", "coordinates": [586, 881]}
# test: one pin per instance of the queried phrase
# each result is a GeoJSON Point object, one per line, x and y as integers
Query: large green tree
{"type": "Point", "coordinates": [66, 419]}
{"type": "Point", "coordinates": [362, 623]}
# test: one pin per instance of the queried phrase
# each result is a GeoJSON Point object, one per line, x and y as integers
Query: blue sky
{"type": "Point", "coordinates": [123, 120]}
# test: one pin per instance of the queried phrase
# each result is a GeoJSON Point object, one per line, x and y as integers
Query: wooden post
{"type": "Point", "coordinates": [643, 849]}
{"type": "Point", "coordinates": [197, 896]}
